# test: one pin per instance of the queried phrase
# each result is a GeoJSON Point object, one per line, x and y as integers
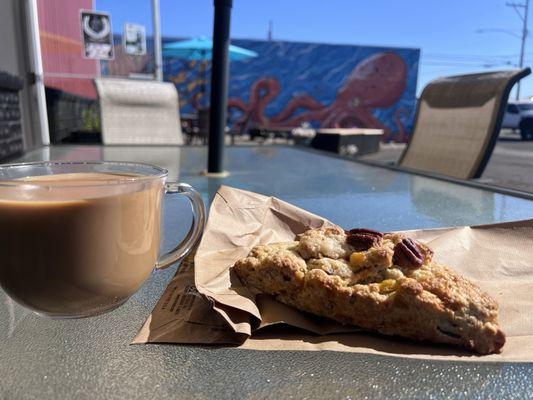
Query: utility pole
{"type": "Point", "coordinates": [523, 17]}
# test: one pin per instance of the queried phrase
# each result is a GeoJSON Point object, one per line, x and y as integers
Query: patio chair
{"type": "Point", "coordinates": [457, 123]}
{"type": "Point", "coordinates": [138, 112]}
{"type": "Point", "coordinates": [203, 124]}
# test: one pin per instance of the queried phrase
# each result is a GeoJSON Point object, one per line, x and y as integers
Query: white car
{"type": "Point", "coordinates": [519, 116]}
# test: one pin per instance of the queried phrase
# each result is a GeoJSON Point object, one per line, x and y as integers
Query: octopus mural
{"type": "Point", "coordinates": [326, 85]}
{"type": "Point", "coordinates": [376, 82]}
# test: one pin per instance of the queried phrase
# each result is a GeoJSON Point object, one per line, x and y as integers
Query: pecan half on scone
{"type": "Point", "coordinates": [381, 282]}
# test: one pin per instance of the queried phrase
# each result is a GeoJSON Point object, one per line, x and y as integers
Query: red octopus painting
{"type": "Point", "coordinates": [376, 82]}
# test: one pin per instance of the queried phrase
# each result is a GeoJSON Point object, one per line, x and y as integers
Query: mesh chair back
{"type": "Point", "coordinates": [457, 123]}
{"type": "Point", "coordinates": [139, 112]}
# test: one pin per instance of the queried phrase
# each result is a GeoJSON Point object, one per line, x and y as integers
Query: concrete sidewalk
{"type": "Point", "coordinates": [510, 166]}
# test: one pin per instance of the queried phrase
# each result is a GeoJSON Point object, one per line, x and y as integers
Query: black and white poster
{"type": "Point", "coordinates": [97, 36]}
{"type": "Point", "coordinates": [134, 39]}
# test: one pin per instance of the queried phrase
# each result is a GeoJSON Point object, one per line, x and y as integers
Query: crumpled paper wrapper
{"type": "Point", "coordinates": [205, 303]}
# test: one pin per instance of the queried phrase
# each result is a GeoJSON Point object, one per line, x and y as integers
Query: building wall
{"type": "Point", "coordinates": [64, 66]}
{"type": "Point", "coordinates": [14, 60]}
{"type": "Point", "coordinates": [325, 85]}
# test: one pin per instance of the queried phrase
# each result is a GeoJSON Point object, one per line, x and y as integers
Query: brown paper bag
{"type": "Point", "coordinates": [498, 257]}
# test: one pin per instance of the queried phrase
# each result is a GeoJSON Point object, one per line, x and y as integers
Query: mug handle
{"type": "Point", "coordinates": [197, 225]}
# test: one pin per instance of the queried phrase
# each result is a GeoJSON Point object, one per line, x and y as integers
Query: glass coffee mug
{"type": "Point", "coordinates": [79, 238]}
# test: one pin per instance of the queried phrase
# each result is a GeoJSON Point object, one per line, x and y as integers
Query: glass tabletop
{"type": "Point", "coordinates": [43, 358]}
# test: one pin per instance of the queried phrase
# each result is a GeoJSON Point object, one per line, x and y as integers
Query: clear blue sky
{"type": "Point", "coordinates": [444, 30]}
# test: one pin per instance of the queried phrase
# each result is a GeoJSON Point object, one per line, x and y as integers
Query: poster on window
{"type": "Point", "coordinates": [97, 36]}
{"type": "Point", "coordinates": [134, 39]}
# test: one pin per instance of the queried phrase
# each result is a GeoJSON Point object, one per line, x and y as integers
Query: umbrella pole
{"type": "Point", "coordinates": [219, 85]}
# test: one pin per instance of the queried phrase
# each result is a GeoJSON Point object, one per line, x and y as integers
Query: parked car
{"type": "Point", "coordinates": [519, 116]}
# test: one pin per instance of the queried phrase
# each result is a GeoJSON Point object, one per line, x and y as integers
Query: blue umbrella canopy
{"type": "Point", "coordinates": [202, 49]}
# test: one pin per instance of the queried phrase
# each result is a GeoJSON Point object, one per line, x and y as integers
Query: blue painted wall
{"type": "Point", "coordinates": [317, 71]}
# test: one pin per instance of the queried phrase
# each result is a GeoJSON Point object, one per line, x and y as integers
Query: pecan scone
{"type": "Point", "coordinates": [381, 282]}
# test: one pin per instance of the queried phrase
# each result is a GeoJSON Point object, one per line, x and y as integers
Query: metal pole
{"type": "Point", "coordinates": [158, 55]}
{"type": "Point", "coordinates": [219, 85]}
{"type": "Point", "coordinates": [522, 47]}
{"type": "Point", "coordinates": [37, 67]}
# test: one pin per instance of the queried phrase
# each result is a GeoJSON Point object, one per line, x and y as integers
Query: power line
{"type": "Point", "coordinates": [524, 6]}
{"type": "Point", "coordinates": [458, 64]}
{"type": "Point", "coordinates": [472, 56]}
